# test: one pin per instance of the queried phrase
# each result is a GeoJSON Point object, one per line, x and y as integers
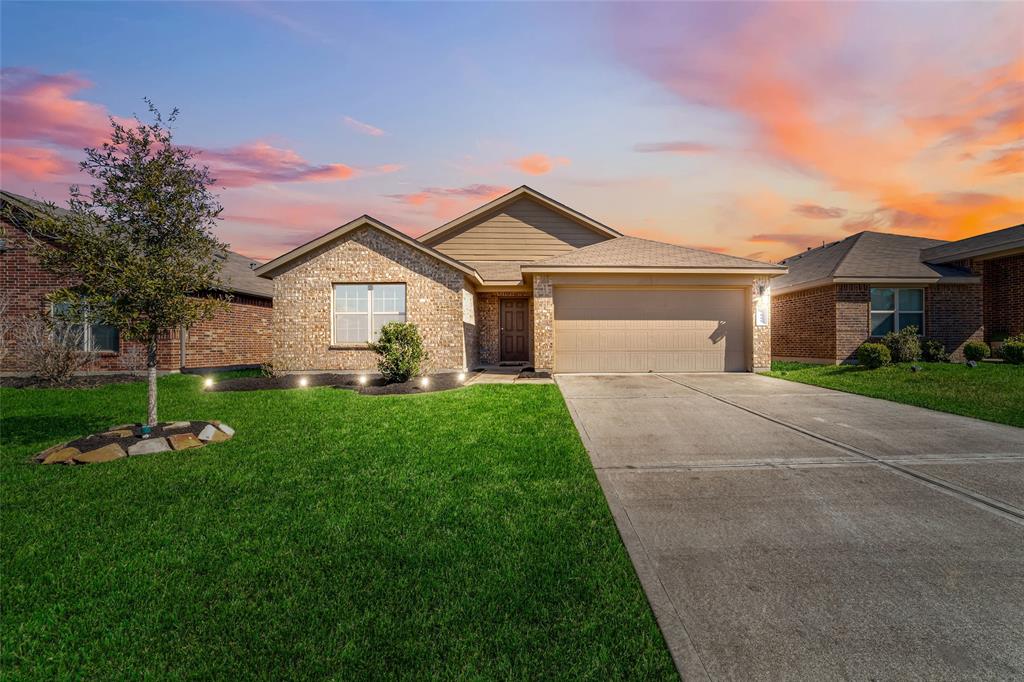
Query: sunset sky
{"type": "Point", "coordinates": [754, 129]}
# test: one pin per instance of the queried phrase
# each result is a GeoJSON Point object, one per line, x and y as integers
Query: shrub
{"type": "Point", "coordinates": [1013, 349]}
{"type": "Point", "coordinates": [976, 350]}
{"type": "Point", "coordinates": [401, 351]}
{"type": "Point", "coordinates": [904, 345]}
{"type": "Point", "coordinates": [933, 350]}
{"type": "Point", "coordinates": [51, 350]}
{"type": "Point", "coordinates": [873, 355]}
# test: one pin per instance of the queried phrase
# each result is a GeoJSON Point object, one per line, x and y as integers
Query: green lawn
{"type": "Point", "coordinates": [450, 535]}
{"type": "Point", "coordinates": [989, 391]}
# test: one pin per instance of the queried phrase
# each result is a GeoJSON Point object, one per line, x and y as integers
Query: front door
{"type": "Point", "coordinates": [515, 330]}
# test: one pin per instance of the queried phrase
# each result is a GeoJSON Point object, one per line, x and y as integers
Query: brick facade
{"type": "Point", "coordinates": [1004, 296]}
{"type": "Point", "coordinates": [237, 336]}
{"type": "Point", "coordinates": [804, 323]}
{"type": "Point", "coordinates": [303, 294]}
{"type": "Point", "coordinates": [543, 323]}
{"type": "Point", "coordinates": [830, 323]}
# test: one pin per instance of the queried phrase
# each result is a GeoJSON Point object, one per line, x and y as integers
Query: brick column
{"type": "Point", "coordinates": [762, 360]}
{"type": "Point", "coordinates": [543, 324]}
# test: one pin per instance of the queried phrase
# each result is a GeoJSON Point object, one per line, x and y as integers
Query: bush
{"type": "Point", "coordinates": [933, 350]}
{"type": "Point", "coordinates": [976, 350]}
{"type": "Point", "coordinates": [873, 355]}
{"type": "Point", "coordinates": [51, 350]}
{"type": "Point", "coordinates": [401, 351]}
{"type": "Point", "coordinates": [904, 345]}
{"type": "Point", "coordinates": [1013, 350]}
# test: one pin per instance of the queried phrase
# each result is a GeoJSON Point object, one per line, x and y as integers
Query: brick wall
{"type": "Point", "coordinates": [238, 336]}
{"type": "Point", "coordinates": [853, 319]}
{"type": "Point", "coordinates": [1004, 296]}
{"type": "Point", "coordinates": [953, 315]}
{"type": "Point", "coordinates": [470, 327]}
{"type": "Point", "coordinates": [489, 306]}
{"type": "Point", "coordinates": [762, 336]}
{"type": "Point", "coordinates": [303, 292]}
{"type": "Point", "coordinates": [543, 323]}
{"type": "Point", "coordinates": [804, 324]}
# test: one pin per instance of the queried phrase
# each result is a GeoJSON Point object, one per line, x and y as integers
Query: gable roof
{"type": "Point", "coordinates": [523, 191]}
{"type": "Point", "coordinates": [236, 274]}
{"type": "Point", "coordinates": [269, 269]}
{"type": "Point", "coordinates": [991, 244]}
{"type": "Point", "coordinates": [865, 256]}
{"type": "Point", "coordinates": [633, 253]}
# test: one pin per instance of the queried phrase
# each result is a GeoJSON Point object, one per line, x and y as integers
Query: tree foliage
{"type": "Point", "coordinates": [138, 244]}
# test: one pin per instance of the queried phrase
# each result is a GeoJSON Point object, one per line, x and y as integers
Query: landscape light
{"type": "Point", "coordinates": [425, 381]}
{"type": "Point", "coordinates": [303, 382]}
{"type": "Point", "coordinates": [362, 380]}
{"type": "Point", "coordinates": [208, 382]}
{"type": "Point", "coordinates": [462, 376]}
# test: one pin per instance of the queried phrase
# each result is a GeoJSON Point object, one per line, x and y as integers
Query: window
{"type": "Point", "coordinates": [894, 309]}
{"type": "Point", "coordinates": [360, 310]}
{"type": "Point", "coordinates": [95, 337]}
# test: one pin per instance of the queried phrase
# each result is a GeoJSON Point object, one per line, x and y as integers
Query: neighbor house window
{"type": "Point", "coordinates": [894, 309]}
{"type": "Point", "coordinates": [360, 310]}
{"type": "Point", "coordinates": [95, 337]}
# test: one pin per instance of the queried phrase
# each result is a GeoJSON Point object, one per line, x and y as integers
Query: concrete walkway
{"type": "Point", "coordinates": [788, 531]}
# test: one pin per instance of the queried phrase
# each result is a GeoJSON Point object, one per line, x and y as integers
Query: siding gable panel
{"type": "Point", "coordinates": [521, 231]}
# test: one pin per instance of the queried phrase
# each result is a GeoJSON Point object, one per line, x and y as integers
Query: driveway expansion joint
{"type": "Point", "coordinates": [1005, 510]}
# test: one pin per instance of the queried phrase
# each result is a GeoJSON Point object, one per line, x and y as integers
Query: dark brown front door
{"type": "Point", "coordinates": [514, 330]}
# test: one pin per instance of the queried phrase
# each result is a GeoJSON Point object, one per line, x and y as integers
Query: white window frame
{"type": "Point", "coordinates": [87, 339]}
{"type": "Point", "coordinates": [369, 309]}
{"type": "Point", "coordinates": [896, 310]}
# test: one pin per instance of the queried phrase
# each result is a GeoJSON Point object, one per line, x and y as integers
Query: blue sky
{"type": "Point", "coordinates": [752, 128]}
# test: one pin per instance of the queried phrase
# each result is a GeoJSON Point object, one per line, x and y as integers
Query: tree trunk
{"type": "Point", "coordinates": [151, 367]}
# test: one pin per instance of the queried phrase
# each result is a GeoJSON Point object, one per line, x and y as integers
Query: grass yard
{"type": "Point", "coordinates": [449, 535]}
{"type": "Point", "coordinates": [990, 391]}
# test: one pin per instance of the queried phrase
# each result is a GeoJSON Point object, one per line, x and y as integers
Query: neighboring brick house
{"type": "Point", "coordinates": [239, 336]}
{"type": "Point", "coordinates": [523, 280]}
{"type": "Point", "coordinates": [838, 296]}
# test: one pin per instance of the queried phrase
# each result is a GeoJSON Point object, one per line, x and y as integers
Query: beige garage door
{"type": "Point", "coordinates": [658, 330]}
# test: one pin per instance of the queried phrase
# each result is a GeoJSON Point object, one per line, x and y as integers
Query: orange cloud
{"type": "Point", "coordinates": [816, 212]}
{"type": "Point", "coordinates": [892, 140]}
{"type": "Point", "coordinates": [539, 164]}
{"type": "Point", "coordinates": [388, 168]}
{"type": "Point", "coordinates": [36, 164]}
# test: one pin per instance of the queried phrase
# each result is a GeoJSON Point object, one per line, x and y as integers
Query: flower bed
{"type": "Point", "coordinates": [369, 384]}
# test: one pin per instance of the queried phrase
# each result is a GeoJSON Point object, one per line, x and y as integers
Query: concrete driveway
{"type": "Point", "coordinates": [784, 531]}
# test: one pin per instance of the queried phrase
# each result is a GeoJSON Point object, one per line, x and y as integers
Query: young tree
{"type": "Point", "coordinates": [139, 244]}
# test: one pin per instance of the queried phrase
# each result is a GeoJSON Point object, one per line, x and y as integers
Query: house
{"type": "Point", "coordinates": [524, 280]}
{"type": "Point", "coordinates": [838, 296]}
{"type": "Point", "coordinates": [236, 337]}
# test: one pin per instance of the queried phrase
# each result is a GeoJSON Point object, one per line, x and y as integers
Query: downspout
{"type": "Point", "coordinates": [181, 346]}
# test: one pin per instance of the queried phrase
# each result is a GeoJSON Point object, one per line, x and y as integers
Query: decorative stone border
{"type": "Point", "coordinates": [129, 440]}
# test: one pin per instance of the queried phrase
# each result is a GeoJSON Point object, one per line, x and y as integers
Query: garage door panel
{"type": "Point", "coordinates": [626, 330]}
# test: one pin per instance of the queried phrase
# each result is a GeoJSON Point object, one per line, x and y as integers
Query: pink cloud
{"type": "Point", "coordinates": [448, 202]}
{"type": "Point", "coordinates": [258, 162]}
{"type": "Point", "coordinates": [364, 128]}
{"type": "Point", "coordinates": [539, 164]}
{"type": "Point", "coordinates": [388, 168]}
{"type": "Point", "coordinates": [673, 147]}
{"type": "Point", "coordinates": [37, 164]}
{"type": "Point", "coordinates": [816, 212]}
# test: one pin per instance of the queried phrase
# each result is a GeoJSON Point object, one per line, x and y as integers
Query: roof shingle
{"type": "Point", "coordinates": [633, 252]}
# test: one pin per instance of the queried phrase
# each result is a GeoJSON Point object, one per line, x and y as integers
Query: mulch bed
{"type": "Point", "coordinates": [374, 386]}
{"type": "Point", "coordinates": [85, 381]}
{"type": "Point", "coordinates": [118, 441]}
